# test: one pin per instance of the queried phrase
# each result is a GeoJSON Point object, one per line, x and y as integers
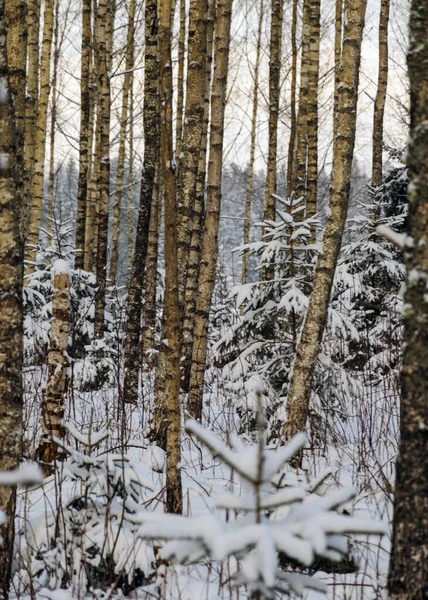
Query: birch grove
{"type": "Point", "coordinates": [213, 299]}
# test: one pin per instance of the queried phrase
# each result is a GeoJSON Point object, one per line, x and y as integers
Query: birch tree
{"type": "Point", "coordinates": [124, 128]}
{"type": "Point", "coordinates": [53, 398]}
{"type": "Point", "coordinates": [312, 108]}
{"type": "Point", "coordinates": [37, 181]}
{"type": "Point", "coordinates": [11, 323]}
{"type": "Point", "coordinates": [209, 253]}
{"type": "Point", "coordinates": [105, 17]}
{"type": "Point", "coordinates": [17, 33]}
{"type": "Point", "coordinates": [192, 132]}
{"type": "Point", "coordinates": [249, 190]}
{"type": "Point", "coordinates": [274, 80]}
{"type": "Point", "coordinates": [408, 576]}
{"type": "Point", "coordinates": [171, 341]}
{"type": "Point", "coordinates": [151, 148]}
{"type": "Point", "coordinates": [344, 139]}
{"type": "Point", "coordinates": [84, 142]}
{"type": "Point", "coordinates": [191, 291]}
{"type": "Point", "coordinates": [382, 82]}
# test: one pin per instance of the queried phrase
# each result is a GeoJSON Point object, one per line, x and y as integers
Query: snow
{"type": "Point", "coordinates": [60, 266]}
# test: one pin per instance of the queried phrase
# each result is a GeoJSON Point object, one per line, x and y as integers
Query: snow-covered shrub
{"type": "Point", "coordinates": [89, 539]}
{"type": "Point", "coordinates": [260, 343]}
{"type": "Point", "coordinates": [279, 524]}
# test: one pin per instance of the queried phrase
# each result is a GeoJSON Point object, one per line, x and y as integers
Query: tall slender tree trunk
{"type": "Point", "coordinates": [171, 342]}
{"type": "Point", "coordinates": [180, 80]}
{"type": "Point", "coordinates": [122, 142]}
{"type": "Point", "coordinates": [132, 362]}
{"type": "Point", "coordinates": [208, 266]}
{"type": "Point", "coordinates": [382, 82]}
{"type": "Point", "coordinates": [37, 182]}
{"type": "Point", "coordinates": [57, 362]}
{"type": "Point", "coordinates": [408, 576]}
{"type": "Point", "coordinates": [11, 324]}
{"type": "Point", "coordinates": [54, 106]}
{"type": "Point", "coordinates": [338, 26]}
{"type": "Point", "coordinates": [312, 108]}
{"type": "Point", "coordinates": [301, 164]}
{"type": "Point", "coordinates": [31, 102]}
{"type": "Point", "coordinates": [17, 32]}
{"type": "Point", "coordinates": [104, 36]}
{"type": "Point", "coordinates": [191, 291]}
{"type": "Point", "coordinates": [85, 143]}
{"type": "Point", "coordinates": [292, 140]}
{"type": "Point", "coordinates": [250, 175]}
{"type": "Point", "coordinates": [150, 304]}
{"type": "Point", "coordinates": [344, 139]}
{"type": "Point", "coordinates": [274, 85]}
{"type": "Point", "coordinates": [192, 133]}
{"type": "Point", "coordinates": [131, 182]}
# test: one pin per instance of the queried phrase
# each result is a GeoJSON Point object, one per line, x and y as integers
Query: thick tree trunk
{"type": "Point", "coordinates": [312, 108]}
{"type": "Point", "coordinates": [122, 143]}
{"type": "Point", "coordinates": [16, 23]}
{"type": "Point", "coordinates": [192, 133]}
{"type": "Point", "coordinates": [274, 81]}
{"type": "Point", "coordinates": [382, 82]}
{"type": "Point", "coordinates": [343, 149]}
{"type": "Point", "coordinates": [57, 362]}
{"type": "Point", "coordinates": [11, 336]}
{"type": "Point", "coordinates": [191, 291]}
{"type": "Point", "coordinates": [104, 49]}
{"type": "Point", "coordinates": [171, 341]}
{"type": "Point", "coordinates": [249, 190]}
{"type": "Point", "coordinates": [40, 138]}
{"type": "Point", "coordinates": [208, 266]}
{"type": "Point", "coordinates": [408, 576]}
{"type": "Point", "coordinates": [132, 362]}
{"type": "Point", "coordinates": [85, 143]}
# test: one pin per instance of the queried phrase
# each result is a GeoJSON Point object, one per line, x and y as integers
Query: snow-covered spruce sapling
{"type": "Point", "coordinates": [89, 539]}
{"type": "Point", "coordinates": [274, 528]}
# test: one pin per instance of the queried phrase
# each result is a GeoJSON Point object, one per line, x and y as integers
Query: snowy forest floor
{"type": "Point", "coordinates": [361, 449]}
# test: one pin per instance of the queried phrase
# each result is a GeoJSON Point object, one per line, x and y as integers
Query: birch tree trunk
{"type": "Point", "coordinates": [122, 142]}
{"type": "Point", "coordinates": [53, 399]}
{"type": "Point", "coordinates": [274, 80]}
{"type": "Point", "coordinates": [312, 109]}
{"type": "Point", "coordinates": [180, 80]}
{"type": "Point", "coordinates": [31, 101]}
{"type": "Point", "coordinates": [16, 23]}
{"type": "Point", "coordinates": [301, 164]}
{"type": "Point", "coordinates": [292, 140]}
{"type": "Point", "coordinates": [84, 143]}
{"type": "Point", "coordinates": [249, 190]}
{"type": "Point", "coordinates": [54, 101]}
{"type": "Point", "coordinates": [208, 265]}
{"type": "Point", "coordinates": [40, 138]}
{"type": "Point", "coordinates": [192, 133]}
{"type": "Point", "coordinates": [131, 182]}
{"type": "Point", "coordinates": [171, 341]}
{"type": "Point", "coordinates": [11, 322]}
{"type": "Point", "coordinates": [408, 576]}
{"type": "Point", "coordinates": [150, 304]}
{"type": "Point", "coordinates": [382, 82]}
{"type": "Point", "coordinates": [132, 361]}
{"type": "Point", "coordinates": [104, 36]}
{"type": "Point", "coordinates": [343, 149]}
{"type": "Point", "coordinates": [191, 291]}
